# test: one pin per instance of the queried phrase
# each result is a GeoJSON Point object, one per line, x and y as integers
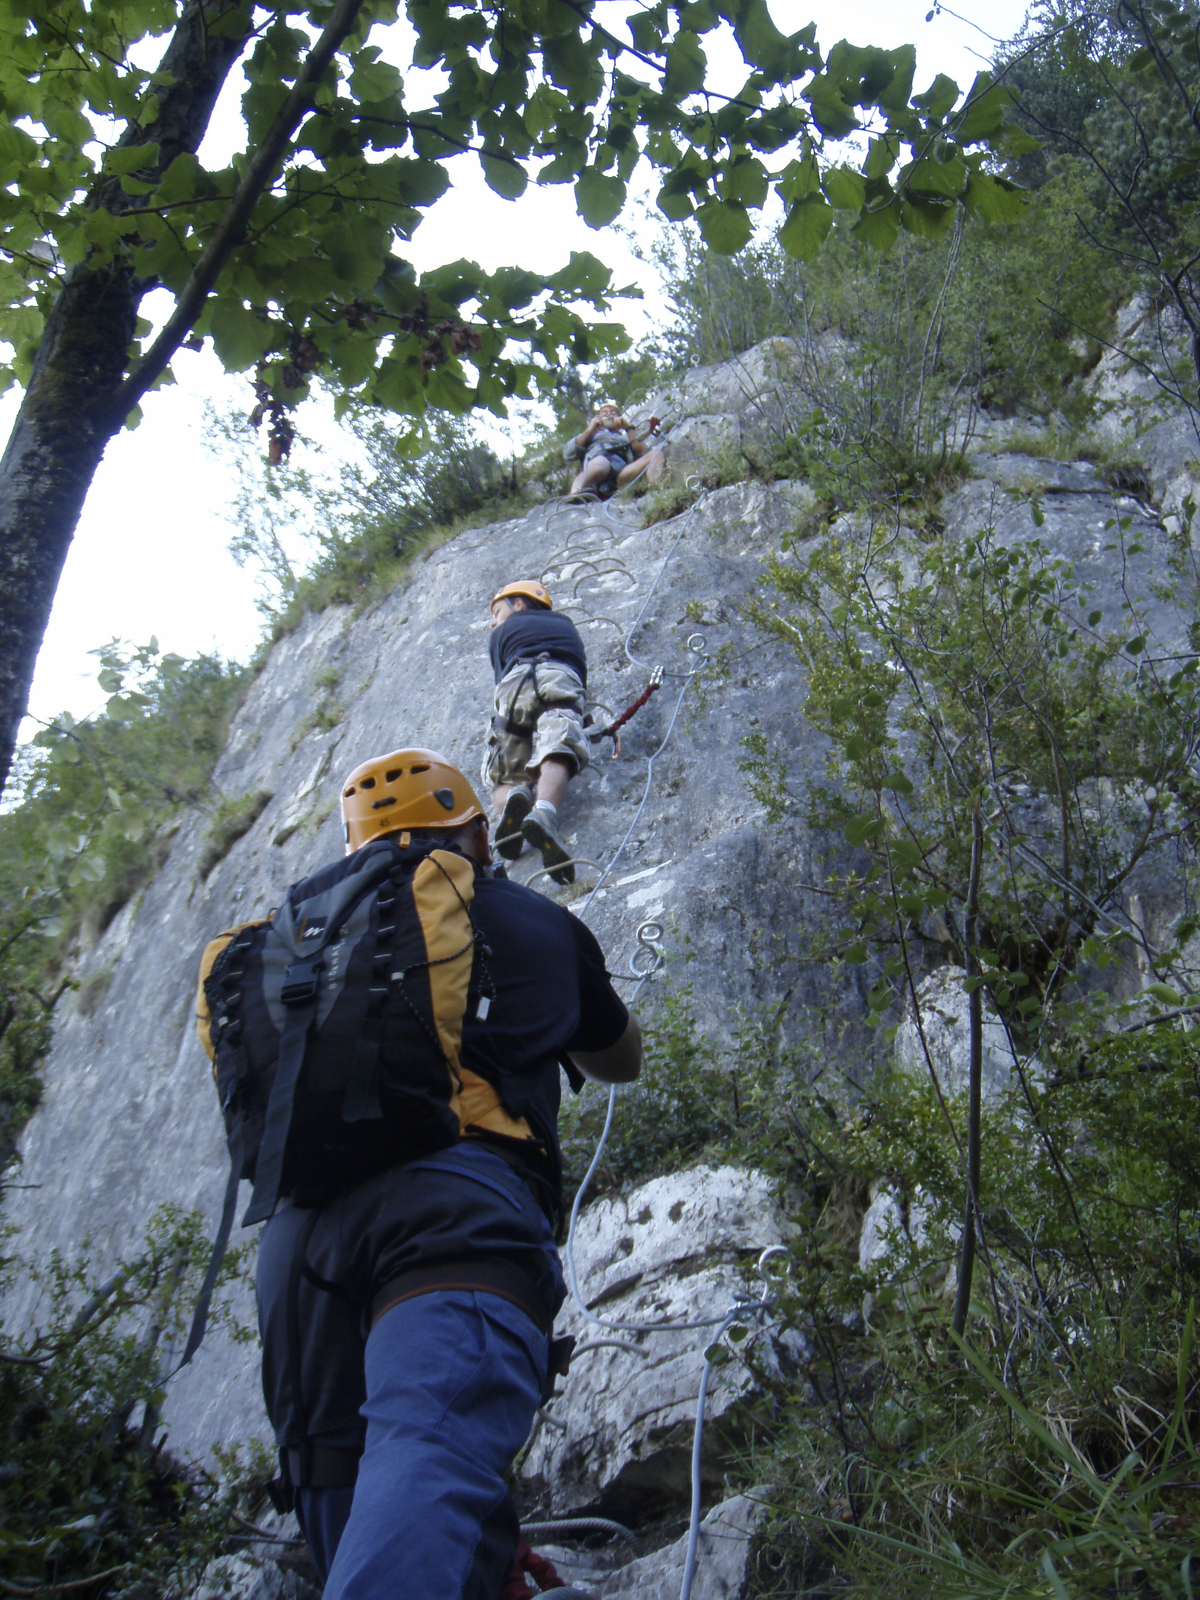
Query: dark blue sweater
{"type": "Point", "coordinates": [526, 635]}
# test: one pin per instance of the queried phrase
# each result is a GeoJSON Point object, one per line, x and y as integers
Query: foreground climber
{"type": "Point", "coordinates": [611, 453]}
{"type": "Point", "coordinates": [538, 740]}
{"type": "Point", "coordinates": [402, 1018]}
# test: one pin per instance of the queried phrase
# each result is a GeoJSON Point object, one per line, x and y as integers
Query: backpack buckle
{"type": "Point", "coordinates": [301, 982]}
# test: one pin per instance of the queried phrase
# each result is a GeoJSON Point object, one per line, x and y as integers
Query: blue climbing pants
{"type": "Point", "coordinates": [440, 1393]}
{"type": "Point", "coordinates": [453, 1381]}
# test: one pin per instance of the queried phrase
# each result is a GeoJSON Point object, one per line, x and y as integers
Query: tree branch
{"type": "Point", "coordinates": [232, 226]}
{"type": "Point", "coordinates": [966, 1266]}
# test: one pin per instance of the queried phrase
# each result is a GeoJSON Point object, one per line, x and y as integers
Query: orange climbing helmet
{"type": "Point", "coordinates": [407, 789]}
{"type": "Point", "coordinates": [530, 589]}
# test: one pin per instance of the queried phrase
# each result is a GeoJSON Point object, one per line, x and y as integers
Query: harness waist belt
{"type": "Point", "coordinates": [328, 1467]}
{"type": "Point", "coordinates": [479, 1275]}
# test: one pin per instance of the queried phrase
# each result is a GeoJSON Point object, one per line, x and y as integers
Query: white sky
{"type": "Point", "coordinates": [150, 555]}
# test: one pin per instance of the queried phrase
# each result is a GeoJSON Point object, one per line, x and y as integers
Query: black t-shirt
{"type": "Point", "coordinates": [552, 995]}
{"type": "Point", "coordinates": [528, 634]}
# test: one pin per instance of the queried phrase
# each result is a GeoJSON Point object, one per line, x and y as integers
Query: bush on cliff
{"type": "Point", "coordinates": [91, 1500]}
{"type": "Point", "coordinates": [96, 803]}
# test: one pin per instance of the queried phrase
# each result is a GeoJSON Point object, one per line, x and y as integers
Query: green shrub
{"type": "Point", "coordinates": [92, 1501]}
{"type": "Point", "coordinates": [231, 821]}
{"type": "Point", "coordinates": [680, 1105]}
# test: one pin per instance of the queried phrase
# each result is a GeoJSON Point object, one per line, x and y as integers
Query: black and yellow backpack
{"type": "Point", "coordinates": [335, 1029]}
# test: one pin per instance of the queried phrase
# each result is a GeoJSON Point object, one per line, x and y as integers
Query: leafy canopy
{"type": "Point", "coordinates": [98, 169]}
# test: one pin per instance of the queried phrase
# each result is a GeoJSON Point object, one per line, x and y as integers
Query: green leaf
{"type": "Point", "coordinates": [599, 197]}
{"type": "Point", "coordinates": [982, 117]}
{"type": "Point", "coordinates": [931, 176]}
{"type": "Point", "coordinates": [124, 159]}
{"type": "Point", "coordinates": [845, 188]}
{"type": "Point", "coordinates": [879, 228]}
{"type": "Point", "coordinates": [994, 199]}
{"type": "Point", "coordinates": [1164, 993]}
{"type": "Point", "coordinates": [928, 219]}
{"type": "Point", "coordinates": [759, 40]}
{"type": "Point", "coordinates": [240, 336]}
{"type": "Point", "coordinates": [831, 112]}
{"type": "Point", "coordinates": [799, 179]}
{"type": "Point", "coordinates": [506, 178]}
{"type": "Point", "coordinates": [745, 182]}
{"type": "Point", "coordinates": [724, 225]}
{"type": "Point", "coordinates": [686, 66]}
{"type": "Point", "coordinates": [938, 99]}
{"type": "Point", "coordinates": [861, 828]}
{"type": "Point", "coordinates": [584, 277]}
{"type": "Point", "coordinates": [882, 155]}
{"type": "Point", "coordinates": [675, 204]}
{"type": "Point", "coordinates": [183, 179]}
{"type": "Point", "coordinates": [808, 223]}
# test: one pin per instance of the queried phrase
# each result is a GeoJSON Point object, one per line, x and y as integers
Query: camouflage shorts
{"type": "Point", "coordinates": [549, 726]}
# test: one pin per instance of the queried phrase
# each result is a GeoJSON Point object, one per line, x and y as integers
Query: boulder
{"type": "Point", "coordinates": [678, 1250]}
{"type": "Point", "coordinates": [722, 1557]}
{"type": "Point", "coordinates": [251, 1577]}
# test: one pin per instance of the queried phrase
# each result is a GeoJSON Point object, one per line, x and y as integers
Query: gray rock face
{"type": "Point", "coordinates": [677, 1250]}
{"type": "Point", "coordinates": [130, 1119]}
{"type": "Point", "coordinates": [130, 1122]}
{"type": "Point", "coordinates": [252, 1578]}
{"type": "Point", "coordinates": [944, 1031]}
{"type": "Point", "coordinates": [722, 1557]}
{"type": "Point", "coordinates": [745, 409]}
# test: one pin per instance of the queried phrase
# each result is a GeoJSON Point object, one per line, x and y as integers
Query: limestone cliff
{"type": "Point", "coordinates": [129, 1119]}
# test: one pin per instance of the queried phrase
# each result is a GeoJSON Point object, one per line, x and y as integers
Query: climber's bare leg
{"type": "Point", "coordinates": [553, 778]}
{"type": "Point", "coordinates": [592, 476]}
{"type": "Point", "coordinates": [634, 469]}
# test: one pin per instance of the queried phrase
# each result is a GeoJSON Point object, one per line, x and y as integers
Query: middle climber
{"type": "Point", "coordinates": [538, 741]}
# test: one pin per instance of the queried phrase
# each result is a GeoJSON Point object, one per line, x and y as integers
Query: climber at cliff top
{"type": "Point", "coordinates": [537, 736]}
{"type": "Point", "coordinates": [611, 453]}
{"type": "Point", "coordinates": [407, 1276]}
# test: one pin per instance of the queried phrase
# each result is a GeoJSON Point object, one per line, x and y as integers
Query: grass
{"type": "Point", "coordinates": [231, 821]}
{"type": "Point", "coordinates": [92, 991]}
{"type": "Point", "coordinates": [364, 573]}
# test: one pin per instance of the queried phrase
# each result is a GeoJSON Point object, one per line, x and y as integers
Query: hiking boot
{"type": "Point", "coordinates": [509, 842]}
{"type": "Point", "coordinates": [541, 829]}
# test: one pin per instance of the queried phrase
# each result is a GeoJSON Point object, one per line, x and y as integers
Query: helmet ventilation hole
{"type": "Point", "coordinates": [367, 783]}
{"type": "Point", "coordinates": [396, 772]}
{"type": "Point", "coordinates": [422, 767]}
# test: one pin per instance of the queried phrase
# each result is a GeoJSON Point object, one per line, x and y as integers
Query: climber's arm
{"type": "Point", "coordinates": [619, 1063]}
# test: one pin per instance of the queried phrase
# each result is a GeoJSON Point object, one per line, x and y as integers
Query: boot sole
{"type": "Point", "coordinates": [509, 839]}
{"type": "Point", "coordinates": [562, 868]}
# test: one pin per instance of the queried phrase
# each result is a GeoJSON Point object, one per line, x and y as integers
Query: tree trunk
{"type": "Point", "coordinates": [68, 414]}
{"type": "Point", "coordinates": [62, 428]}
